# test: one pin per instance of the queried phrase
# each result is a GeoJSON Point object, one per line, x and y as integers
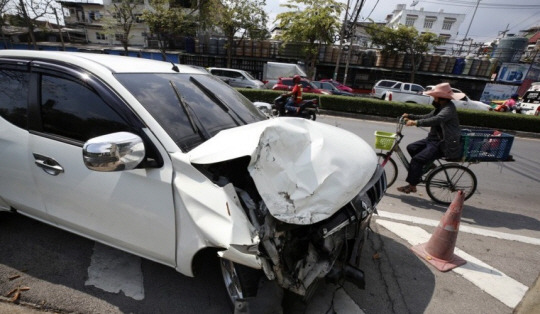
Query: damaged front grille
{"type": "Point", "coordinates": [375, 189]}
{"type": "Point", "coordinates": [360, 207]}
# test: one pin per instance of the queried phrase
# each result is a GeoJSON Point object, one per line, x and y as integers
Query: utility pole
{"type": "Point", "coordinates": [503, 33]}
{"type": "Point", "coordinates": [59, 29]}
{"type": "Point", "coordinates": [357, 8]}
{"type": "Point", "coordinates": [341, 35]}
{"type": "Point", "coordinates": [467, 33]}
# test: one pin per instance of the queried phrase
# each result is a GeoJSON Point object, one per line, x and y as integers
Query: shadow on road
{"type": "Point", "coordinates": [482, 217]}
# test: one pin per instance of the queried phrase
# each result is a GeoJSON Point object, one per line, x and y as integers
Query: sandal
{"type": "Point", "coordinates": [407, 189]}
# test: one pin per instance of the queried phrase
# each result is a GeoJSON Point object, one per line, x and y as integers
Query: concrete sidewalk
{"type": "Point", "coordinates": [531, 302]}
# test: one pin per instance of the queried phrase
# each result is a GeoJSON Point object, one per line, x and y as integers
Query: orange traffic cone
{"type": "Point", "coordinates": [439, 250]}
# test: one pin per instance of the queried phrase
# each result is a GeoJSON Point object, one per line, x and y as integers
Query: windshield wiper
{"type": "Point", "coordinates": [217, 100]}
{"type": "Point", "coordinates": [197, 127]}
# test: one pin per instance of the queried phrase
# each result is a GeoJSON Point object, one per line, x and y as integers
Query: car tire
{"type": "Point", "coordinates": [240, 281]}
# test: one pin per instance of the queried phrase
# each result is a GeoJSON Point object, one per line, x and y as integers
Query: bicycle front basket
{"type": "Point", "coordinates": [486, 145]}
{"type": "Point", "coordinates": [384, 140]}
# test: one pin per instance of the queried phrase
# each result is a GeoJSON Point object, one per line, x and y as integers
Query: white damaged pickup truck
{"type": "Point", "coordinates": [165, 161]}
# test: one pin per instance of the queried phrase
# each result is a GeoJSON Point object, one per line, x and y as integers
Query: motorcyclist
{"type": "Point", "coordinates": [295, 96]}
{"type": "Point", "coordinates": [509, 104]}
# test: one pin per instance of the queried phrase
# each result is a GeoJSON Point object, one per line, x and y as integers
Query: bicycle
{"type": "Point", "coordinates": [443, 178]}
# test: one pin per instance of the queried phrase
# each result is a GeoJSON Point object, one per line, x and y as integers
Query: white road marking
{"type": "Point", "coordinates": [113, 271]}
{"type": "Point", "coordinates": [463, 227]}
{"type": "Point", "coordinates": [487, 278]}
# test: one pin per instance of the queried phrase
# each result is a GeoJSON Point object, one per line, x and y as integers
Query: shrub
{"type": "Point", "coordinates": [371, 106]}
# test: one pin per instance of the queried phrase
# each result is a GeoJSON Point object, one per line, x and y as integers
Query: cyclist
{"type": "Point", "coordinates": [444, 136]}
{"type": "Point", "coordinates": [293, 103]}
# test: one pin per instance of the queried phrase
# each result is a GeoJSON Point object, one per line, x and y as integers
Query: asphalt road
{"type": "Point", "coordinates": [499, 234]}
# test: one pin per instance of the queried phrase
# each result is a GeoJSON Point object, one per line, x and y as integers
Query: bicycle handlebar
{"type": "Point", "coordinates": [400, 124]}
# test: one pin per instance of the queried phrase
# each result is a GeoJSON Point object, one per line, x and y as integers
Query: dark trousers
{"type": "Point", "coordinates": [422, 153]}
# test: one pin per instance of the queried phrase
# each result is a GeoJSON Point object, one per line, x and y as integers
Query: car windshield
{"type": "Point", "coordinates": [190, 107]}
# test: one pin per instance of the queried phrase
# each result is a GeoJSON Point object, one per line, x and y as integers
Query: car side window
{"type": "Point", "coordinates": [417, 88]}
{"type": "Point", "coordinates": [305, 84]}
{"type": "Point", "coordinates": [397, 85]}
{"type": "Point", "coordinates": [14, 96]}
{"type": "Point", "coordinates": [287, 82]}
{"type": "Point", "coordinates": [327, 86]}
{"type": "Point", "coordinates": [72, 110]}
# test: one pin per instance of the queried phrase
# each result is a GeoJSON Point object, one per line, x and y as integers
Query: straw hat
{"type": "Point", "coordinates": [444, 90]}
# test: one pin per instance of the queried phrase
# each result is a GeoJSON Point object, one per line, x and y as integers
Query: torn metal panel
{"type": "Point", "coordinates": [220, 219]}
{"type": "Point", "coordinates": [304, 170]}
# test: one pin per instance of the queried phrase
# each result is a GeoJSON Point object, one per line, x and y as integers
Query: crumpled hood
{"type": "Point", "coordinates": [304, 171]}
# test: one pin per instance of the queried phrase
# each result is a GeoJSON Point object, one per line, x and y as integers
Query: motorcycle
{"type": "Point", "coordinates": [308, 108]}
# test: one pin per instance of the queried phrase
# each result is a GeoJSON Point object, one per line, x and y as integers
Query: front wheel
{"type": "Point", "coordinates": [443, 183]}
{"type": "Point", "coordinates": [240, 281]}
{"type": "Point", "coordinates": [390, 168]}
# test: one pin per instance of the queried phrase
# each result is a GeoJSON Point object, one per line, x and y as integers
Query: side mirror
{"type": "Point", "coordinates": [113, 152]}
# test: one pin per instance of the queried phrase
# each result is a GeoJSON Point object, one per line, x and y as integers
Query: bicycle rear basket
{"type": "Point", "coordinates": [384, 140]}
{"type": "Point", "coordinates": [486, 145]}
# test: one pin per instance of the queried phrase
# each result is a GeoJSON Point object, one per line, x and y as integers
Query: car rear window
{"type": "Point", "coordinates": [532, 97]}
{"type": "Point", "coordinates": [386, 83]}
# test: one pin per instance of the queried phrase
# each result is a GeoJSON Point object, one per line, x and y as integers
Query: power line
{"type": "Point", "coordinates": [485, 5]}
{"type": "Point", "coordinates": [372, 10]}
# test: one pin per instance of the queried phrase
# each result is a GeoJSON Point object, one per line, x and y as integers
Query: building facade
{"type": "Point", "coordinates": [97, 18]}
{"type": "Point", "coordinates": [445, 25]}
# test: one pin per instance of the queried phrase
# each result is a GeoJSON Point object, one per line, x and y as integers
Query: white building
{"type": "Point", "coordinates": [96, 17]}
{"type": "Point", "coordinates": [445, 25]}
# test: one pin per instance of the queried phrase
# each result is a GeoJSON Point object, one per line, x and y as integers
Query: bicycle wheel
{"type": "Point", "coordinates": [390, 169]}
{"type": "Point", "coordinates": [443, 183]}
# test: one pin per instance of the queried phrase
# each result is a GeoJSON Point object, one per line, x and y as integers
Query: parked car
{"type": "Point", "coordinates": [338, 85]}
{"type": "Point", "coordinates": [380, 88]}
{"type": "Point", "coordinates": [407, 92]}
{"type": "Point", "coordinates": [331, 88]}
{"type": "Point", "coordinates": [530, 102]}
{"type": "Point", "coordinates": [466, 102]}
{"type": "Point", "coordinates": [237, 78]}
{"type": "Point", "coordinates": [286, 84]}
{"type": "Point", "coordinates": [165, 161]}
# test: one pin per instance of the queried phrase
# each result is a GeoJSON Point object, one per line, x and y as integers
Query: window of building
{"type": "Point", "coordinates": [447, 23]}
{"type": "Point", "coordinates": [119, 37]}
{"type": "Point", "coordinates": [444, 38]}
{"type": "Point", "coordinates": [410, 19]}
{"type": "Point", "coordinates": [429, 20]}
{"type": "Point", "coordinates": [101, 36]}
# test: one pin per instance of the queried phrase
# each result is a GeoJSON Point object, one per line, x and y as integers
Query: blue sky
{"type": "Point", "coordinates": [492, 16]}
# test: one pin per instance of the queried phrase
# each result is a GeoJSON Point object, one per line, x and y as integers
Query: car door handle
{"type": "Point", "coordinates": [49, 165]}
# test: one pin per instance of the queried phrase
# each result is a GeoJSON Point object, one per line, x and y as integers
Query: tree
{"type": "Point", "coordinates": [32, 10]}
{"type": "Point", "coordinates": [124, 13]}
{"type": "Point", "coordinates": [233, 16]}
{"type": "Point", "coordinates": [3, 10]}
{"type": "Point", "coordinates": [314, 22]}
{"type": "Point", "coordinates": [166, 22]}
{"type": "Point", "coordinates": [403, 39]}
